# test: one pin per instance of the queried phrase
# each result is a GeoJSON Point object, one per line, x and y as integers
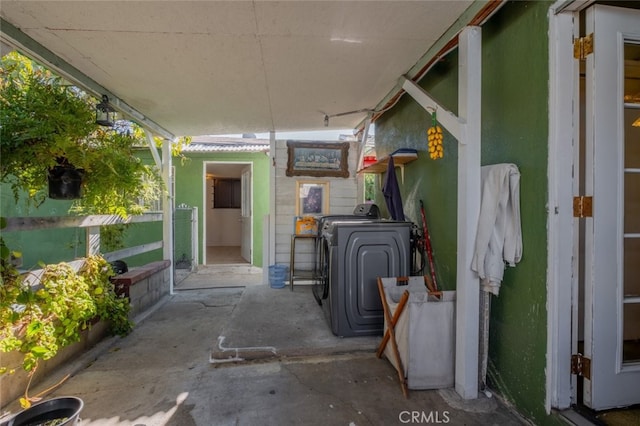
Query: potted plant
{"type": "Point", "coordinates": [63, 411]}
{"type": "Point", "coordinates": [65, 181]}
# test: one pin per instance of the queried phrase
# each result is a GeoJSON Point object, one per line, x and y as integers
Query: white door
{"type": "Point", "coordinates": [246, 215]}
{"type": "Point", "coordinates": [612, 238]}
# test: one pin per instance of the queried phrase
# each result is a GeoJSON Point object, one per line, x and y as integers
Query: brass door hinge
{"type": "Point", "coordinates": [582, 206]}
{"type": "Point", "coordinates": [583, 46]}
{"type": "Point", "coordinates": [581, 366]}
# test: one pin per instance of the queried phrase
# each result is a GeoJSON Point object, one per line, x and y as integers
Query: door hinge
{"type": "Point", "coordinates": [583, 206]}
{"type": "Point", "coordinates": [581, 366]}
{"type": "Point", "coordinates": [583, 46]}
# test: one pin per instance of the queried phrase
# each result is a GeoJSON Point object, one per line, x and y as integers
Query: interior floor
{"type": "Point", "coordinates": [217, 255]}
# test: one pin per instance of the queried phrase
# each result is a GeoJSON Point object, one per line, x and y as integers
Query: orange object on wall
{"type": "Point", "coordinates": [306, 225]}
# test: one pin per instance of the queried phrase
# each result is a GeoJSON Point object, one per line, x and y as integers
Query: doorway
{"type": "Point", "coordinates": [607, 332]}
{"type": "Point", "coordinates": [593, 290]}
{"type": "Point", "coordinates": [228, 213]}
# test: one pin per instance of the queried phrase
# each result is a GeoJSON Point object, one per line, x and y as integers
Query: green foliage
{"type": "Point", "coordinates": [39, 320]}
{"type": "Point", "coordinates": [112, 236]}
{"type": "Point", "coordinates": [369, 187]}
{"type": "Point", "coordinates": [46, 121]}
{"type": "Point", "coordinates": [42, 119]}
{"type": "Point", "coordinates": [116, 181]}
{"type": "Point", "coordinates": [109, 307]}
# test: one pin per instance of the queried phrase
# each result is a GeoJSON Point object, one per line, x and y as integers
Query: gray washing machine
{"type": "Point", "coordinates": [359, 253]}
{"type": "Point", "coordinates": [362, 212]}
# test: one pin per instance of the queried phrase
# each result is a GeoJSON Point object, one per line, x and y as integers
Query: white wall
{"type": "Point", "coordinates": [343, 197]}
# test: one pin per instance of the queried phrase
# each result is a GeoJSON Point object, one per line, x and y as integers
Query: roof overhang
{"type": "Point", "coordinates": [218, 67]}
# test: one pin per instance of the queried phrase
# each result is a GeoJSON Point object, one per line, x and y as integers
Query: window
{"type": "Point", "coordinates": [226, 193]}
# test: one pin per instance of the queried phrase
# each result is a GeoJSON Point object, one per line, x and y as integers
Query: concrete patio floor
{"type": "Point", "coordinates": [162, 374]}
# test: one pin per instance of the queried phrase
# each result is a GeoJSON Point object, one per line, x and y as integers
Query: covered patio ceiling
{"type": "Point", "coordinates": [219, 67]}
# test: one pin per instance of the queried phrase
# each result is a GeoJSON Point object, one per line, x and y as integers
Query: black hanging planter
{"type": "Point", "coordinates": [57, 411]}
{"type": "Point", "coordinates": [65, 182]}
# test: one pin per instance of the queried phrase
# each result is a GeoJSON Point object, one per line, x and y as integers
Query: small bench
{"type": "Point", "coordinates": [144, 285]}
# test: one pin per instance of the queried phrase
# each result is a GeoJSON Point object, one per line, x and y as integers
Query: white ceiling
{"type": "Point", "coordinates": [219, 67]}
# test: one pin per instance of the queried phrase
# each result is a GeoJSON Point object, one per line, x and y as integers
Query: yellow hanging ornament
{"type": "Point", "coordinates": [434, 137]}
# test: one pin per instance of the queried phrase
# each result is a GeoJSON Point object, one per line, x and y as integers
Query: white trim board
{"type": "Point", "coordinates": [563, 135]}
{"type": "Point", "coordinates": [467, 129]}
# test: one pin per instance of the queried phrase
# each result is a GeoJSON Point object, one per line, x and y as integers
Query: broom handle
{"type": "Point", "coordinates": [427, 245]}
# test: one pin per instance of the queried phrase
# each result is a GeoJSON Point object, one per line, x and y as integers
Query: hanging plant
{"type": "Point", "coordinates": [45, 119]}
{"type": "Point", "coordinates": [42, 118]}
{"type": "Point", "coordinates": [65, 181]}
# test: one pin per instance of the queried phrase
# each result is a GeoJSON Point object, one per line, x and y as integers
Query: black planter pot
{"type": "Point", "coordinates": [57, 411]}
{"type": "Point", "coordinates": [65, 182]}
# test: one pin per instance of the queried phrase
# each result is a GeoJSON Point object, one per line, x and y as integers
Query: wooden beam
{"type": "Point", "coordinates": [467, 282]}
{"type": "Point", "coordinates": [154, 151]}
{"type": "Point", "coordinates": [446, 118]}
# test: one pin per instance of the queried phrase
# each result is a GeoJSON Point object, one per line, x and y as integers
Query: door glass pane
{"type": "Point", "coordinates": [632, 136]}
{"type": "Point", "coordinates": [631, 333]}
{"type": "Point", "coordinates": [631, 316]}
{"type": "Point", "coordinates": [632, 105]}
{"type": "Point", "coordinates": [631, 267]}
{"type": "Point", "coordinates": [631, 202]}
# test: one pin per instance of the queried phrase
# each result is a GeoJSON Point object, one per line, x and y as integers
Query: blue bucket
{"type": "Point", "coordinates": [277, 275]}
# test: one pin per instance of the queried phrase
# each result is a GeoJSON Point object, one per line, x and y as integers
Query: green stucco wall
{"type": "Point", "coordinates": [189, 190]}
{"type": "Point", "coordinates": [514, 130]}
{"type": "Point", "coordinates": [433, 182]}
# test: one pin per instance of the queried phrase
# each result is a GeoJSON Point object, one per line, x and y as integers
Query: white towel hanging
{"type": "Point", "coordinates": [499, 236]}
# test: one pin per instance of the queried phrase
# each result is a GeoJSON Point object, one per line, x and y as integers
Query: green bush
{"type": "Point", "coordinates": [48, 122]}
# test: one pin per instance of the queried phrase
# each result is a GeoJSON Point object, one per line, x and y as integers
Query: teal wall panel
{"type": "Point", "coordinates": [62, 245]}
{"type": "Point", "coordinates": [136, 234]}
{"type": "Point", "coordinates": [47, 246]}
